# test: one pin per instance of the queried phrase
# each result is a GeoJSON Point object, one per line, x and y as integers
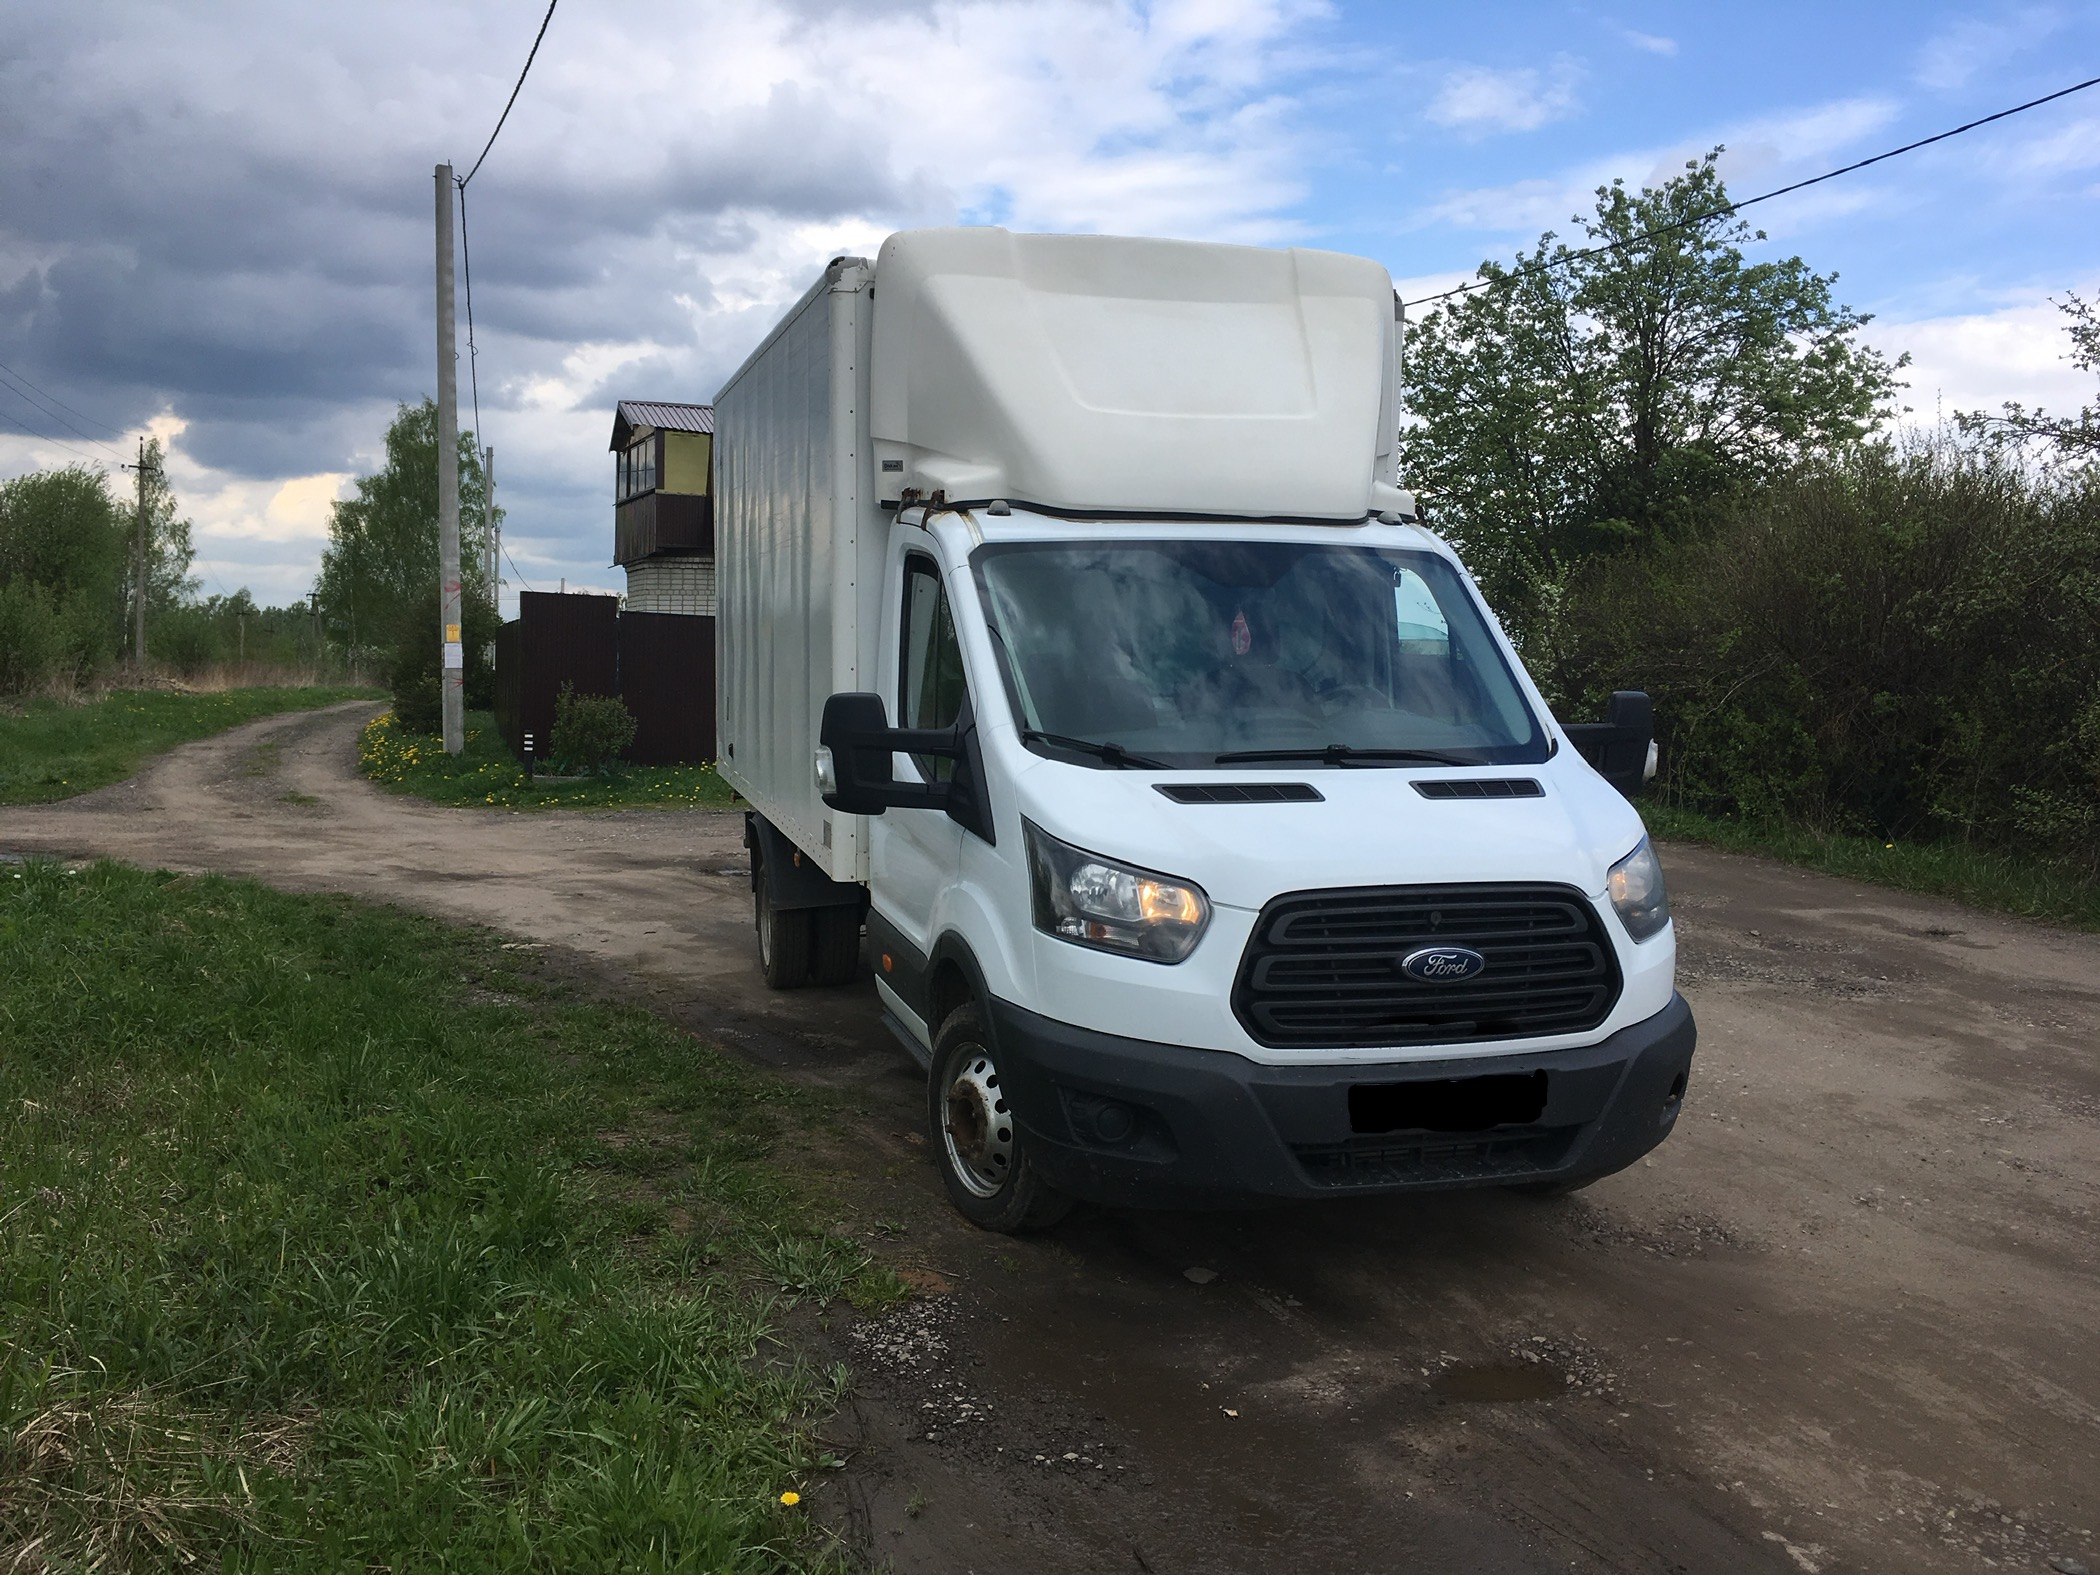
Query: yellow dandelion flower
{"type": "Point", "coordinates": [791, 1498]}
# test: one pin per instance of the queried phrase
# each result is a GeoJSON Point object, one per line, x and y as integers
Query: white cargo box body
{"type": "Point", "coordinates": [798, 559]}
{"type": "Point", "coordinates": [1100, 376]}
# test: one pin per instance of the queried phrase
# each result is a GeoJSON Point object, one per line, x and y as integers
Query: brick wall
{"type": "Point", "coordinates": [672, 585]}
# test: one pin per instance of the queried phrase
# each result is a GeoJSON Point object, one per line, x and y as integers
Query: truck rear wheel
{"type": "Point", "coordinates": [835, 945]}
{"type": "Point", "coordinates": [783, 941]}
{"type": "Point", "coordinates": [981, 1149]}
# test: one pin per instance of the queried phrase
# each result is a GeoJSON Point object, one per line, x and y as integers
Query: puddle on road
{"type": "Point", "coordinates": [1499, 1381]}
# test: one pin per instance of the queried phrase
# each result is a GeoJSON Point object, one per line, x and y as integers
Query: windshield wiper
{"type": "Point", "coordinates": [1109, 754]}
{"type": "Point", "coordinates": [1341, 754]}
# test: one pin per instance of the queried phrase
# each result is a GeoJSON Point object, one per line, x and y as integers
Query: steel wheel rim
{"type": "Point", "coordinates": [977, 1127]}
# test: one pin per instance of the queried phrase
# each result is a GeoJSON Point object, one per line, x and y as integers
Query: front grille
{"type": "Point", "coordinates": [1322, 969]}
{"type": "Point", "coordinates": [1431, 1160]}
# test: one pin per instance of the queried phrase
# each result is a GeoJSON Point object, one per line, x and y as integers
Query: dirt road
{"type": "Point", "coordinates": [1845, 1319]}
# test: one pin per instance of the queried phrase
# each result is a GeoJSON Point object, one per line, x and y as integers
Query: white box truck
{"type": "Point", "coordinates": [1077, 640]}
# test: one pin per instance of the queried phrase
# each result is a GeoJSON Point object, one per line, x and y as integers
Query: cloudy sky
{"type": "Point", "coordinates": [215, 219]}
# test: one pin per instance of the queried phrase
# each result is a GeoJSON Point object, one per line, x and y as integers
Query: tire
{"type": "Point", "coordinates": [835, 945]}
{"type": "Point", "coordinates": [783, 941]}
{"type": "Point", "coordinates": [981, 1151]}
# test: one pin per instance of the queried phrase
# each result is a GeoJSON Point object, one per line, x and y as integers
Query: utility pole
{"type": "Point", "coordinates": [494, 533]}
{"type": "Point", "coordinates": [138, 567]}
{"type": "Point", "coordinates": [138, 606]}
{"type": "Point", "coordinates": [452, 675]}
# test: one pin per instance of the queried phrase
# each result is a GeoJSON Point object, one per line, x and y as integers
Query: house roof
{"type": "Point", "coordinates": [632, 413]}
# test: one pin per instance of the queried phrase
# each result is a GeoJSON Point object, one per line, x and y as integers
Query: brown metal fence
{"type": "Point", "coordinates": [662, 665]}
{"type": "Point", "coordinates": [667, 678]}
{"type": "Point", "coordinates": [555, 639]}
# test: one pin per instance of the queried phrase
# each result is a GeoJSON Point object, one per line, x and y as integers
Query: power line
{"type": "Point", "coordinates": [1736, 207]}
{"type": "Point", "coordinates": [523, 584]}
{"type": "Point", "coordinates": [466, 252]}
{"type": "Point", "coordinates": [466, 257]}
{"type": "Point", "coordinates": [42, 408]}
{"type": "Point", "coordinates": [31, 433]}
{"type": "Point", "coordinates": [500, 119]}
{"type": "Point", "coordinates": [90, 420]}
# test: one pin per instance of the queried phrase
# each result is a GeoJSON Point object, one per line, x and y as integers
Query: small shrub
{"type": "Point", "coordinates": [590, 731]}
{"type": "Point", "coordinates": [413, 666]}
{"type": "Point", "coordinates": [185, 638]}
{"type": "Point", "coordinates": [32, 637]}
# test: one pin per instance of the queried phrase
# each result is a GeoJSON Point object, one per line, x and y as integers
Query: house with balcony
{"type": "Point", "coordinates": [663, 510]}
{"type": "Point", "coordinates": [657, 651]}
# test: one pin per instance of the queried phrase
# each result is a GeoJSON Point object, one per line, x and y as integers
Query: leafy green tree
{"type": "Point", "coordinates": [63, 561]}
{"type": "Point", "coordinates": [1595, 398]}
{"type": "Point", "coordinates": [381, 562]}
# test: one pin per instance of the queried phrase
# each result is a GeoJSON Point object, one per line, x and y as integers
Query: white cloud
{"type": "Point", "coordinates": [1653, 43]}
{"type": "Point", "coordinates": [1480, 99]}
{"type": "Point", "coordinates": [2072, 147]}
{"type": "Point", "coordinates": [1954, 55]}
{"type": "Point", "coordinates": [254, 252]}
{"type": "Point", "coordinates": [1760, 153]}
{"type": "Point", "coordinates": [1980, 360]}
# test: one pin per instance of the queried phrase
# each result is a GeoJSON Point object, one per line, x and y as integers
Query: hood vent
{"type": "Point", "coordinates": [1482, 787]}
{"type": "Point", "coordinates": [1241, 792]}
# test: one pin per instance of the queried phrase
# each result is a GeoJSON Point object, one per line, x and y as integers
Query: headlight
{"type": "Point", "coordinates": [1636, 887]}
{"type": "Point", "coordinates": [1091, 901]}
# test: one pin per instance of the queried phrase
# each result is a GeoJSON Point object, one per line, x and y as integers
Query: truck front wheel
{"type": "Point", "coordinates": [982, 1152]}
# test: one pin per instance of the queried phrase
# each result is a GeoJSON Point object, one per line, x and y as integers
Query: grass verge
{"type": "Point", "coordinates": [335, 1238]}
{"type": "Point", "coordinates": [2030, 888]}
{"type": "Point", "coordinates": [50, 749]}
{"type": "Point", "coordinates": [486, 773]}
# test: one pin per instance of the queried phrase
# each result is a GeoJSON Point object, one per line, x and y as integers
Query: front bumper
{"type": "Point", "coordinates": [1130, 1122]}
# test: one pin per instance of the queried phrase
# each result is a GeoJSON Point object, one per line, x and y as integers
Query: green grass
{"type": "Point", "coordinates": [2031, 888]}
{"type": "Point", "coordinates": [486, 773]}
{"type": "Point", "coordinates": [52, 750]}
{"type": "Point", "coordinates": [332, 1238]}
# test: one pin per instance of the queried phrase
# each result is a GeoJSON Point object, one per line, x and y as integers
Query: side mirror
{"type": "Point", "coordinates": [1622, 747]}
{"type": "Point", "coordinates": [859, 742]}
{"type": "Point", "coordinates": [855, 765]}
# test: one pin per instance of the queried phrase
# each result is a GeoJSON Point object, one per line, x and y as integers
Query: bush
{"type": "Point", "coordinates": [413, 668]}
{"type": "Point", "coordinates": [590, 731]}
{"type": "Point", "coordinates": [186, 639]}
{"type": "Point", "coordinates": [32, 637]}
{"type": "Point", "coordinates": [1901, 642]}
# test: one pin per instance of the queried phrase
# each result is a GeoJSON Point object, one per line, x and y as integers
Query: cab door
{"type": "Point", "coordinates": [915, 855]}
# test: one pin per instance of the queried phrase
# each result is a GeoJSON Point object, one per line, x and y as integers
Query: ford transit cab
{"type": "Point", "coordinates": [1095, 686]}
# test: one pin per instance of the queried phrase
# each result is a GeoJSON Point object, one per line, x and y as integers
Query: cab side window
{"type": "Point", "coordinates": [931, 669]}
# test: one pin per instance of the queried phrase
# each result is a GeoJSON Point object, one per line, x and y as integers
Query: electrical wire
{"type": "Point", "coordinates": [466, 254]}
{"type": "Point", "coordinates": [1560, 260]}
{"type": "Point", "coordinates": [466, 257]}
{"type": "Point", "coordinates": [54, 399]}
{"type": "Point", "coordinates": [500, 119]}
{"type": "Point", "coordinates": [35, 436]}
{"type": "Point", "coordinates": [7, 383]}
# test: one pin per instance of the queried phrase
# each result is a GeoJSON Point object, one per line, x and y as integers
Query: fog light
{"type": "Point", "coordinates": [1114, 1122]}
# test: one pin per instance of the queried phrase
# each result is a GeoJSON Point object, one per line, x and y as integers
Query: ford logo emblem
{"type": "Point", "coordinates": [1442, 964]}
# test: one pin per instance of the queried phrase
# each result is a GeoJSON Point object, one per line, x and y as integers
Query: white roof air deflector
{"type": "Point", "coordinates": [1090, 372]}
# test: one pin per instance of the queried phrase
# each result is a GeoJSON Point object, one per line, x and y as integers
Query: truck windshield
{"type": "Point", "coordinates": [1185, 652]}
